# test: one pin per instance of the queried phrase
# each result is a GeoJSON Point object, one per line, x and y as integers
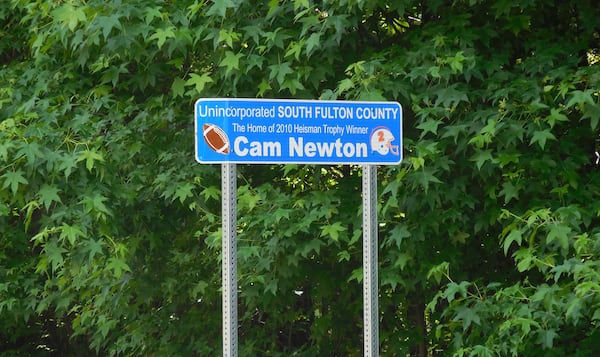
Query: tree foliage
{"type": "Point", "coordinates": [489, 229]}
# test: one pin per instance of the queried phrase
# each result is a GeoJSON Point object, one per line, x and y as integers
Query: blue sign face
{"type": "Point", "coordinates": [273, 131]}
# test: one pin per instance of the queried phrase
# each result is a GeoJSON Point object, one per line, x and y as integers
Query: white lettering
{"type": "Point", "coordinates": [236, 112]}
{"type": "Point", "coordinates": [310, 149]}
{"type": "Point", "coordinates": [333, 130]}
{"type": "Point", "coordinates": [337, 148]}
{"type": "Point", "coordinates": [240, 151]}
{"type": "Point", "coordinates": [333, 112]}
{"type": "Point", "coordinates": [376, 113]}
{"type": "Point", "coordinates": [296, 111]}
{"type": "Point", "coordinates": [351, 129]}
{"type": "Point", "coordinates": [256, 148]}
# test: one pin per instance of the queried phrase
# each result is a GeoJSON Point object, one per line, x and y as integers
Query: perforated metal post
{"type": "Point", "coordinates": [370, 276]}
{"type": "Point", "coordinates": [229, 261]}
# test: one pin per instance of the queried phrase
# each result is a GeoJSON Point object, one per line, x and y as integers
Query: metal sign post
{"type": "Point", "coordinates": [229, 259]}
{"type": "Point", "coordinates": [370, 276]}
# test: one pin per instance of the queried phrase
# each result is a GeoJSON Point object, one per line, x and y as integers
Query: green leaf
{"type": "Point", "coordinates": [454, 131]}
{"type": "Point", "coordinates": [546, 338]}
{"type": "Point", "coordinates": [220, 7]}
{"type": "Point", "coordinates": [481, 351]}
{"type": "Point", "coordinates": [402, 260]}
{"type": "Point", "coordinates": [105, 325]}
{"type": "Point", "coordinates": [199, 81]}
{"type": "Point", "coordinates": [247, 252]}
{"type": "Point", "coordinates": [178, 87]}
{"type": "Point", "coordinates": [371, 95]}
{"type": "Point", "coordinates": [518, 23]}
{"type": "Point", "coordinates": [30, 208]}
{"type": "Point", "coordinates": [344, 85]}
{"type": "Point", "coordinates": [398, 234]}
{"type": "Point", "coordinates": [343, 255]}
{"type": "Point", "coordinates": [118, 266]}
{"type": "Point", "coordinates": [459, 237]}
{"type": "Point", "coordinates": [574, 307]}
{"type": "Point", "coordinates": [271, 286]}
{"type": "Point", "coordinates": [450, 96]}
{"type": "Point", "coordinates": [480, 157]}
{"type": "Point", "coordinates": [95, 203]}
{"type": "Point", "coordinates": [292, 85]}
{"type": "Point", "coordinates": [253, 61]}
{"type": "Point", "coordinates": [581, 98]}
{"type": "Point", "coordinates": [108, 23]}
{"type": "Point", "coordinates": [596, 316]}
{"type": "Point", "coordinates": [48, 194]}
{"type": "Point", "coordinates": [4, 149]}
{"type": "Point", "coordinates": [69, 15]}
{"type": "Point", "coordinates": [184, 191]}
{"type": "Point", "coordinates": [456, 62]}
{"type": "Point", "coordinates": [161, 35]}
{"type": "Point", "coordinates": [254, 32]}
{"type": "Point", "coordinates": [526, 324]}
{"type": "Point", "coordinates": [505, 158]}
{"type": "Point", "coordinates": [4, 211]}
{"type": "Point", "coordinates": [565, 268]}
{"type": "Point", "coordinates": [467, 315]}
{"type": "Point", "coordinates": [592, 112]}
{"type": "Point", "coordinates": [231, 61]}
{"type": "Point", "coordinates": [453, 288]}
{"type": "Point", "coordinates": [312, 43]}
{"type": "Point", "coordinates": [32, 151]}
{"type": "Point", "coordinates": [424, 177]}
{"type": "Point", "coordinates": [14, 179]}
{"type": "Point", "coordinates": [54, 254]}
{"type": "Point", "coordinates": [279, 71]}
{"type": "Point", "coordinates": [71, 233]}
{"type": "Point", "coordinates": [199, 288]}
{"type": "Point", "coordinates": [281, 213]}
{"type": "Point", "coordinates": [273, 5]}
{"type": "Point", "coordinates": [295, 48]}
{"type": "Point", "coordinates": [263, 87]}
{"type": "Point", "coordinates": [301, 3]}
{"type": "Point", "coordinates": [333, 230]}
{"type": "Point", "coordinates": [509, 191]}
{"type": "Point", "coordinates": [151, 13]}
{"type": "Point", "coordinates": [559, 233]}
{"type": "Point", "coordinates": [357, 274]}
{"type": "Point", "coordinates": [313, 245]}
{"type": "Point", "coordinates": [541, 136]}
{"type": "Point", "coordinates": [515, 235]}
{"type": "Point", "coordinates": [555, 116]}
{"type": "Point", "coordinates": [587, 287]}
{"type": "Point", "coordinates": [524, 257]}
{"type": "Point", "coordinates": [429, 126]}
{"type": "Point", "coordinates": [228, 36]}
{"type": "Point", "coordinates": [67, 163]}
{"type": "Point", "coordinates": [438, 272]}
{"type": "Point", "coordinates": [94, 247]}
{"type": "Point", "coordinates": [248, 198]}
{"type": "Point", "coordinates": [211, 192]}
{"type": "Point", "coordinates": [90, 156]}
{"type": "Point", "coordinates": [434, 71]}
{"type": "Point", "coordinates": [113, 74]}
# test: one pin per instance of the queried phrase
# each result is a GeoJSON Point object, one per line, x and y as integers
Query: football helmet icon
{"type": "Point", "coordinates": [381, 141]}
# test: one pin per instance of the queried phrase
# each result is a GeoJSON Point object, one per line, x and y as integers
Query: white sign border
{"type": "Point", "coordinates": [197, 139]}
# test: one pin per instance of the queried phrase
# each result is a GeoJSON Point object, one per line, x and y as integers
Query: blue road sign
{"type": "Point", "coordinates": [275, 131]}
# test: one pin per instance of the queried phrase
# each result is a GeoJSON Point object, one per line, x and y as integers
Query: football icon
{"type": "Point", "coordinates": [215, 138]}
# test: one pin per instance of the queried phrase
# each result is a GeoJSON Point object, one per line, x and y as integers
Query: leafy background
{"type": "Point", "coordinates": [489, 235]}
